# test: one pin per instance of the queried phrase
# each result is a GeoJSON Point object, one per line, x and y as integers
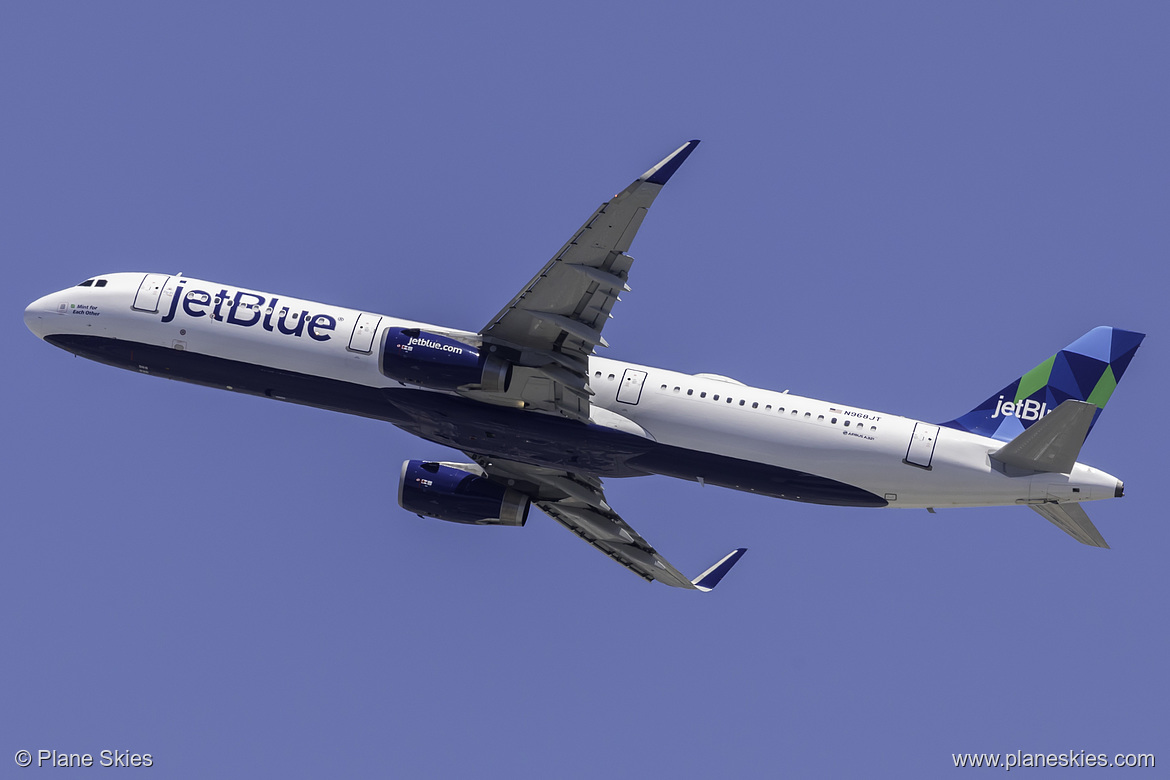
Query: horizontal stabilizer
{"type": "Point", "coordinates": [1071, 519]}
{"type": "Point", "coordinates": [710, 578]}
{"type": "Point", "coordinates": [1051, 444]}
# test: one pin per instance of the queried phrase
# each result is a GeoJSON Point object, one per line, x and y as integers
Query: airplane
{"type": "Point", "coordinates": [544, 419]}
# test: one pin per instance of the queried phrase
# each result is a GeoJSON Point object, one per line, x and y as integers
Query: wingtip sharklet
{"type": "Point", "coordinates": [661, 173]}
{"type": "Point", "coordinates": [707, 581]}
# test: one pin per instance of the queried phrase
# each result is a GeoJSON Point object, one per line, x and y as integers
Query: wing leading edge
{"type": "Point", "coordinates": [578, 503]}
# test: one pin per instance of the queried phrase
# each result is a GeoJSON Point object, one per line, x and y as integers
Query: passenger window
{"type": "Point", "coordinates": [846, 423]}
{"type": "Point", "coordinates": [715, 397]}
{"type": "Point", "coordinates": [690, 391]}
{"type": "Point", "coordinates": [755, 404]}
{"type": "Point", "coordinates": [808, 415]}
{"type": "Point", "coordinates": [703, 394]}
{"type": "Point", "coordinates": [611, 377]}
{"type": "Point", "coordinates": [677, 389]}
{"type": "Point", "coordinates": [834, 421]}
{"type": "Point", "coordinates": [820, 418]}
{"type": "Point", "coordinates": [664, 387]}
{"type": "Point", "coordinates": [780, 410]}
{"type": "Point", "coordinates": [728, 400]}
{"type": "Point", "coordinates": [768, 408]}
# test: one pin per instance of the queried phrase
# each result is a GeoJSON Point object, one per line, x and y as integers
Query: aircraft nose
{"type": "Point", "coordinates": [36, 315]}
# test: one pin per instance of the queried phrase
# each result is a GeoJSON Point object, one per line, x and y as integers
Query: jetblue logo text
{"type": "Point", "coordinates": [416, 341]}
{"type": "Point", "coordinates": [1025, 410]}
{"type": "Point", "coordinates": [248, 309]}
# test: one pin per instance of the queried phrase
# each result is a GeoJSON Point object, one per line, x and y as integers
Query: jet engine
{"type": "Point", "coordinates": [441, 363]}
{"type": "Point", "coordinates": [457, 493]}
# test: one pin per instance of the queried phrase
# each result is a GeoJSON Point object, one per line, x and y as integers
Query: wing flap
{"type": "Point", "coordinates": [600, 531]}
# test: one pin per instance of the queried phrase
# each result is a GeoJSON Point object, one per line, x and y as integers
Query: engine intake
{"type": "Point", "coordinates": [441, 363]}
{"type": "Point", "coordinates": [456, 492]}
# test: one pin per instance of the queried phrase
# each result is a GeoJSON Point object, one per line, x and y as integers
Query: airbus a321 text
{"type": "Point", "coordinates": [544, 420]}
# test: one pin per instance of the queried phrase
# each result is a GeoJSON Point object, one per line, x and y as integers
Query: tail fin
{"type": "Point", "coordinates": [1086, 370]}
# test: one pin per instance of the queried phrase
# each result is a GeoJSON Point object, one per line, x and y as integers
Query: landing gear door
{"type": "Point", "coordinates": [364, 331]}
{"type": "Point", "coordinates": [149, 292]}
{"type": "Point", "coordinates": [631, 388]}
{"type": "Point", "coordinates": [921, 449]}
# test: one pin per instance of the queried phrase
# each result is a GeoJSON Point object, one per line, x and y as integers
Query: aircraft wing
{"type": "Point", "coordinates": [578, 503]}
{"type": "Point", "coordinates": [552, 326]}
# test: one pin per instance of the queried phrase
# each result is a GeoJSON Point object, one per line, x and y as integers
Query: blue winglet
{"type": "Point", "coordinates": [661, 173]}
{"type": "Point", "coordinates": [710, 578]}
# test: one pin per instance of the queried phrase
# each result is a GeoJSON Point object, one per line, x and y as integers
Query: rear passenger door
{"type": "Point", "coordinates": [921, 450]}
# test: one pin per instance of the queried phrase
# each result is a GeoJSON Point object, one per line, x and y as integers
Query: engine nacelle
{"type": "Point", "coordinates": [441, 363]}
{"type": "Point", "coordinates": [457, 493]}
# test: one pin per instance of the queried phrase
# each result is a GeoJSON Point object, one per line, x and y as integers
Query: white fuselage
{"type": "Point", "coordinates": [906, 462]}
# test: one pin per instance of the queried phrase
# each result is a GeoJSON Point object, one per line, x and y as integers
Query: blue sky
{"type": "Point", "coordinates": [901, 207]}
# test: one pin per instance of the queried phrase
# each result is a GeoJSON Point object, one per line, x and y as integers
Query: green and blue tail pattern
{"type": "Point", "coordinates": [1086, 370]}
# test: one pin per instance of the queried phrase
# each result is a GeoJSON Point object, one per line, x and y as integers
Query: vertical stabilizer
{"type": "Point", "coordinates": [1086, 370]}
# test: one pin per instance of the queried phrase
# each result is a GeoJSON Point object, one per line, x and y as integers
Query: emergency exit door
{"type": "Point", "coordinates": [364, 331]}
{"type": "Point", "coordinates": [631, 387]}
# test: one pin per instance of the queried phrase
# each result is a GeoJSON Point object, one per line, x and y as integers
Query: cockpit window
{"type": "Point", "coordinates": [100, 283]}
{"type": "Point", "coordinates": [86, 283]}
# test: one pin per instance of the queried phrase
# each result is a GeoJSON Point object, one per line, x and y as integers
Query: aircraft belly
{"type": "Point", "coordinates": [458, 422]}
{"type": "Point", "coordinates": [514, 434]}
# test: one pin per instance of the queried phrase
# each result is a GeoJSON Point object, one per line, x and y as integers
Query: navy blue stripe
{"type": "Point", "coordinates": [474, 427]}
